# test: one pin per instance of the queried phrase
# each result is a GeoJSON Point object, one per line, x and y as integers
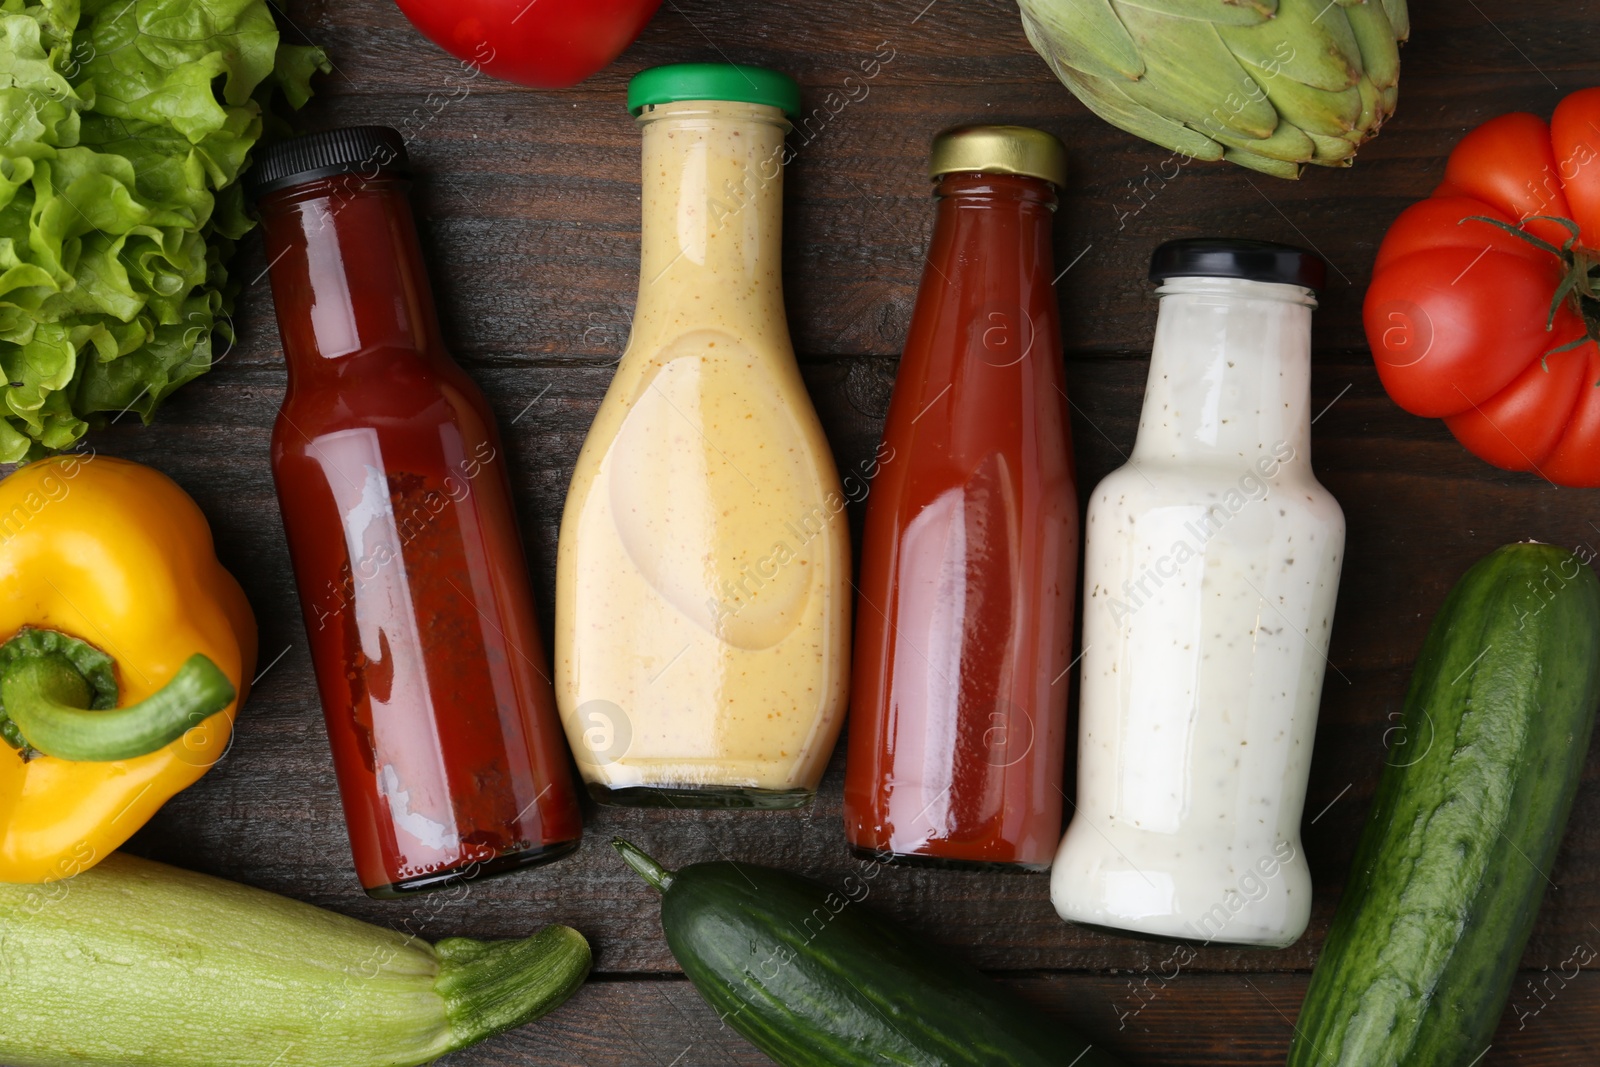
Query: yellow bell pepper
{"type": "Point", "coordinates": [127, 652]}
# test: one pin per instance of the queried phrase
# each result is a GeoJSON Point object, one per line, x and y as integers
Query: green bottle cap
{"type": "Point", "coordinates": [713, 81]}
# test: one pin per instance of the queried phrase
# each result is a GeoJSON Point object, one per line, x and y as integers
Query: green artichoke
{"type": "Point", "coordinates": [1269, 84]}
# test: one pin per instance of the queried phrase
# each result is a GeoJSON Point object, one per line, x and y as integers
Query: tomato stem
{"type": "Point", "coordinates": [1580, 270]}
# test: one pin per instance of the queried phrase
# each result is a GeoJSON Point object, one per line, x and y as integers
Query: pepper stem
{"type": "Point", "coordinates": [647, 868]}
{"type": "Point", "coordinates": [60, 694]}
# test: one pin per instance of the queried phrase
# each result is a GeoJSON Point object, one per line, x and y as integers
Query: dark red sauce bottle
{"type": "Point", "coordinates": [392, 481]}
{"type": "Point", "coordinates": [969, 559]}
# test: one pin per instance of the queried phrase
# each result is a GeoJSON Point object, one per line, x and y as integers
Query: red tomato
{"type": "Point", "coordinates": [548, 44]}
{"type": "Point", "coordinates": [1458, 308]}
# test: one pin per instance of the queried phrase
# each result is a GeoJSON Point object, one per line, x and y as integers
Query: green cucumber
{"type": "Point", "coordinates": [136, 964]}
{"type": "Point", "coordinates": [1470, 810]}
{"type": "Point", "coordinates": [815, 979]}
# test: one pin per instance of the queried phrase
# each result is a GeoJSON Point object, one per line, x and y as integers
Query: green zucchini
{"type": "Point", "coordinates": [136, 964]}
{"type": "Point", "coordinates": [1470, 810]}
{"type": "Point", "coordinates": [815, 979]}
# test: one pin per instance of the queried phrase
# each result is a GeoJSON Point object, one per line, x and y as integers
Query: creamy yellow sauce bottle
{"type": "Point", "coordinates": [702, 582]}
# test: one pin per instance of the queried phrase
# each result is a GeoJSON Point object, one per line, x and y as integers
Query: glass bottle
{"type": "Point", "coordinates": [702, 585]}
{"type": "Point", "coordinates": [392, 482]}
{"type": "Point", "coordinates": [1210, 573]}
{"type": "Point", "coordinates": [969, 561]}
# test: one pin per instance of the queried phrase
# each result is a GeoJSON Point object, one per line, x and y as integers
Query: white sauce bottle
{"type": "Point", "coordinates": [1212, 564]}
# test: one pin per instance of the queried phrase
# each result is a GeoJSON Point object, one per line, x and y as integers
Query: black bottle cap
{"type": "Point", "coordinates": [364, 150]}
{"type": "Point", "coordinates": [1226, 257]}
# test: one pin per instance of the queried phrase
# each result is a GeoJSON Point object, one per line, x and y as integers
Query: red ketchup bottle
{"type": "Point", "coordinates": [969, 561]}
{"type": "Point", "coordinates": [392, 480]}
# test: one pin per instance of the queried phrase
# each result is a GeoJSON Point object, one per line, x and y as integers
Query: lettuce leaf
{"type": "Point", "coordinates": [124, 128]}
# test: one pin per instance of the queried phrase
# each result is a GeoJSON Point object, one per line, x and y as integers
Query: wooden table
{"type": "Point", "coordinates": [530, 216]}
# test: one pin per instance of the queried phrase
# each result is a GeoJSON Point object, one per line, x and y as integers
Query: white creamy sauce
{"type": "Point", "coordinates": [1212, 564]}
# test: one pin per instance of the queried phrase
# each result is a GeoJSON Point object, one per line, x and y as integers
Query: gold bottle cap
{"type": "Point", "coordinates": [999, 150]}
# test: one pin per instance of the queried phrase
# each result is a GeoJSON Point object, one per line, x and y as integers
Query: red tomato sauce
{"type": "Point", "coordinates": [969, 560]}
{"type": "Point", "coordinates": [397, 505]}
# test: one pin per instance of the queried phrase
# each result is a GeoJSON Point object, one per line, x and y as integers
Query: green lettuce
{"type": "Point", "coordinates": [124, 127]}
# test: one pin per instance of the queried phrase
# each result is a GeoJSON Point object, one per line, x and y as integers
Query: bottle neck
{"type": "Point", "coordinates": [712, 205]}
{"type": "Point", "coordinates": [347, 271]}
{"type": "Point", "coordinates": [1230, 373]}
{"type": "Point", "coordinates": [989, 270]}
{"type": "Point", "coordinates": [1016, 194]}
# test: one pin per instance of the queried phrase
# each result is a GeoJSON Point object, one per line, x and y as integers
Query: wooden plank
{"type": "Point", "coordinates": [1199, 1020]}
